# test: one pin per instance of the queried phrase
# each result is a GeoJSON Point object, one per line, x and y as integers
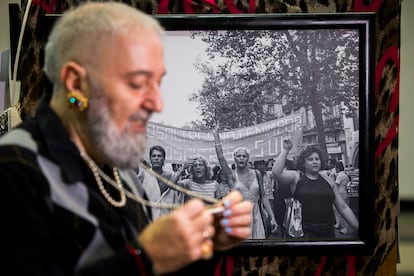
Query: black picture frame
{"type": "Point", "coordinates": [361, 23]}
{"type": "Point", "coordinates": [362, 26]}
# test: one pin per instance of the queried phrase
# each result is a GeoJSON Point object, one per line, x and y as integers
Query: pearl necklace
{"type": "Point", "coordinates": [98, 173]}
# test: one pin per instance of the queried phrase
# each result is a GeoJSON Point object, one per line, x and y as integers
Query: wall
{"type": "Point", "coordinates": [406, 131]}
{"type": "Point", "coordinates": [4, 23]}
{"type": "Point", "coordinates": [5, 72]}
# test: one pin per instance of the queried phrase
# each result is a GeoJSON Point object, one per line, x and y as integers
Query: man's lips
{"type": "Point", "coordinates": [138, 121]}
{"type": "Point", "coordinates": [138, 125]}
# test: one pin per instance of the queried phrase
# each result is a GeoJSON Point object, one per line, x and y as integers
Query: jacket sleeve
{"type": "Point", "coordinates": [27, 234]}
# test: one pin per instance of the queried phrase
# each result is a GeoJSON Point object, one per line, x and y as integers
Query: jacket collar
{"type": "Point", "coordinates": [58, 145]}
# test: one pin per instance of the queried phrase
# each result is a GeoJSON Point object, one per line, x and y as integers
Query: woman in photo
{"type": "Point", "coordinates": [200, 180]}
{"type": "Point", "coordinates": [249, 182]}
{"type": "Point", "coordinates": [315, 191]}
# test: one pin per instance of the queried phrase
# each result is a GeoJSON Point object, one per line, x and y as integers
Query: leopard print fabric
{"type": "Point", "coordinates": [385, 119]}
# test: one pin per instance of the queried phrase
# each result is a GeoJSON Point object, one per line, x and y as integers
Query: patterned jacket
{"type": "Point", "coordinates": [55, 220]}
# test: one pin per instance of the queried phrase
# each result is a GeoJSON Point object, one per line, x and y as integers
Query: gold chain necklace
{"type": "Point", "coordinates": [178, 187]}
{"type": "Point", "coordinates": [98, 173]}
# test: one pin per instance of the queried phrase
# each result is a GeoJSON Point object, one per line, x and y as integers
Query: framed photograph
{"type": "Point", "coordinates": [264, 80]}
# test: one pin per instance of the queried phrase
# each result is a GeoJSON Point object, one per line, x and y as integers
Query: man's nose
{"type": "Point", "coordinates": [153, 101]}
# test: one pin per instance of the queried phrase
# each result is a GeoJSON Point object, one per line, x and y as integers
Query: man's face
{"type": "Point", "coordinates": [124, 96]}
{"type": "Point", "coordinates": [157, 159]}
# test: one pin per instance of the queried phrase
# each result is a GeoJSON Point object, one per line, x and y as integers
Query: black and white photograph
{"type": "Point", "coordinates": [277, 108]}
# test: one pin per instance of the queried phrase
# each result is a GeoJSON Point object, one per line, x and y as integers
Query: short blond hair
{"type": "Point", "coordinates": [241, 149]}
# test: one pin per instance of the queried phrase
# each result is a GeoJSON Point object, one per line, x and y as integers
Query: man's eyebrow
{"type": "Point", "coordinates": [139, 73]}
{"type": "Point", "coordinates": [142, 72]}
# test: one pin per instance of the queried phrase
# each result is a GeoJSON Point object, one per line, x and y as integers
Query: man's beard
{"type": "Point", "coordinates": [119, 148]}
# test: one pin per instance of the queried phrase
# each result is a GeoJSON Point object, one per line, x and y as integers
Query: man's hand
{"type": "Point", "coordinates": [233, 225]}
{"type": "Point", "coordinates": [179, 238]}
{"type": "Point", "coordinates": [190, 232]}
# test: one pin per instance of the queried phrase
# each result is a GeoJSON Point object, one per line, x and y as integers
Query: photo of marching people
{"type": "Point", "coordinates": [283, 130]}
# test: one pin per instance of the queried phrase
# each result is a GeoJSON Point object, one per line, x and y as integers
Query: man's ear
{"type": "Point", "coordinates": [73, 77]}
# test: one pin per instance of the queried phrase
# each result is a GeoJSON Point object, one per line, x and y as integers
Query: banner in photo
{"type": "Point", "coordinates": [263, 140]}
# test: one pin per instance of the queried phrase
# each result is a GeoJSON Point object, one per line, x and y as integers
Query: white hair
{"type": "Point", "coordinates": [82, 34]}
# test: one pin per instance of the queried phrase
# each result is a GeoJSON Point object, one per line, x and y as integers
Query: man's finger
{"type": "Point", "coordinates": [192, 208]}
